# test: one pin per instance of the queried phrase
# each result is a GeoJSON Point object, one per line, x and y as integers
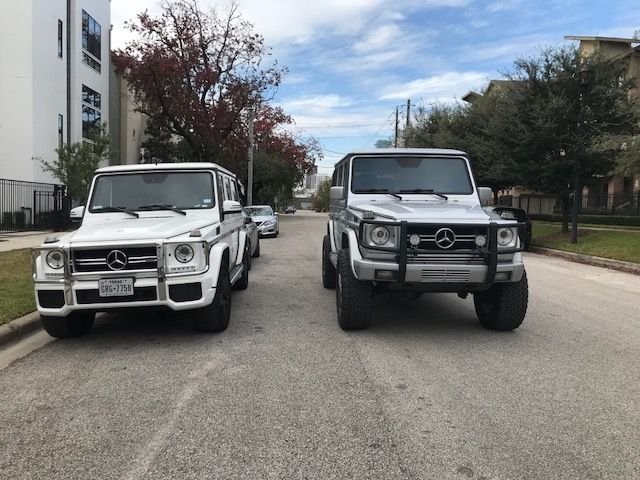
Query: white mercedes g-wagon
{"type": "Point", "coordinates": [152, 235]}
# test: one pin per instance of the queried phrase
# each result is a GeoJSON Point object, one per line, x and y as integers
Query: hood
{"type": "Point", "coordinates": [427, 211]}
{"type": "Point", "coordinates": [143, 228]}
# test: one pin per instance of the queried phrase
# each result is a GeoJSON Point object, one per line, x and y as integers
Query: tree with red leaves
{"type": "Point", "coordinates": [195, 74]}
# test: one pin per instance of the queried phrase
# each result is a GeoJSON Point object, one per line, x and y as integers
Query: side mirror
{"type": "Point", "coordinates": [231, 206]}
{"type": "Point", "coordinates": [336, 193]}
{"type": "Point", "coordinates": [486, 195]}
{"type": "Point", "coordinates": [76, 213]}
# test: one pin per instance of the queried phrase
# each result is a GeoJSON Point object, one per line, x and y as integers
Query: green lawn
{"type": "Point", "coordinates": [600, 243]}
{"type": "Point", "coordinates": [16, 294]}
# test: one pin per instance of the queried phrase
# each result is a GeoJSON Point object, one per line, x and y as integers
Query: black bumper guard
{"type": "Point", "coordinates": [490, 253]}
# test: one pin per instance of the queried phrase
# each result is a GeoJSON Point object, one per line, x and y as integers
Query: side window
{"type": "Point", "coordinates": [334, 178]}
{"type": "Point", "coordinates": [227, 189]}
{"type": "Point", "coordinates": [220, 189]}
{"type": "Point", "coordinates": [339, 177]}
{"type": "Point", "coordinates": [234, 190]}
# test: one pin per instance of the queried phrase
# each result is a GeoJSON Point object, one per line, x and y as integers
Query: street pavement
{"type": "Point", "coordinates": [424, 393]}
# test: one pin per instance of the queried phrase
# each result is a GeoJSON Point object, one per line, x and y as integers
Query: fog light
{"type": "Point", "coordinates": [386, 274]}
{"type": "Point", "coordinates": [503, 276]}
{"type": "Point", "coordinates": [414, 240]}
{"type": "Point", "coordinates": [481, 240]}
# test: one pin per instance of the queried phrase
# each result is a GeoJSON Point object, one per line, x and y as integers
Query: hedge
{"type": "Point", "coordinates": [592, 219]}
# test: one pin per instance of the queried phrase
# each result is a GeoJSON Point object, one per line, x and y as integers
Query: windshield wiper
{"type": "Point", "coordinates": [424, 190]}
{"type": "Point", "coordinates": [378, 190]}
{"type": "Point", "coordinates": [116, 209]}
{"type": "Point", "coordinates": [162, 207]}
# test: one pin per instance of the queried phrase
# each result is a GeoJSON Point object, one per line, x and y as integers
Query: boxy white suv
{"type": "Point", "coordinates": [164, 235]}
{"type": "Point", "coordinates": [411, 221]}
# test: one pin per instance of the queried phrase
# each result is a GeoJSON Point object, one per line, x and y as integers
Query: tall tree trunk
{"type": "Point", "coordinates": [577, 193]}
{"type": "Point", "coordinates": [565, 213]}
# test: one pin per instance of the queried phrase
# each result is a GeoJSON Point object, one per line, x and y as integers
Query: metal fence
{"type": "Point", "coordinates": [590, 204]}
{"type": "Point", "coordinates": [32, 206]}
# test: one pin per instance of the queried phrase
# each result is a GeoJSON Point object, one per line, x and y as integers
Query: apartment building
{"type": "Point", "coordinates": [54, 79]}
{"type": "Point", "coordinates": [615, 191]}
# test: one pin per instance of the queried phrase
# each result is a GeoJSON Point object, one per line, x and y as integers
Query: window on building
{"type": "Point", "coordinates": [60, 131]}
{"type": "Point", "coordinates": [91, 41]}
{"type": "Point", "coordinates": [90, 122]}
{"type": "Point", "coordinates": [91, 97]}
{"type": "Point", "coordinates": [91, 105]}
{"type": "Point", "coordinates": [60, 34]}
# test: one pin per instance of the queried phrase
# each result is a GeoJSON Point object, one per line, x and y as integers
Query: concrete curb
{"type": "Point", "coordinates": [627, 267]}
{"type": "Point", "coordinates": [20, 327]}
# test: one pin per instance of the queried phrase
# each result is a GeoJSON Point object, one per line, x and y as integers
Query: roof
{"type": "Point", "coordinates": [602, 39]}
{"type": "Point", "coordinates": [164, 166]}
{"type": "Point", "coordinates": [471, 96]}
{"type": "Point", "coordinates": [404, 151]}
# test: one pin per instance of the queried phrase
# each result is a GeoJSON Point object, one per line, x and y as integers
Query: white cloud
{"type": "Point", "coordinates": [443, 87]}
{"type": "Point", "coordinates": [503, 5]}
{"type": "Point", "coordinates": [317, 103]}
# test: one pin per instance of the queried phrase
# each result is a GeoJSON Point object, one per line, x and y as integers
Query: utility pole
{"type": "Point", "coordinates": [395, 140]}
{"type": "Point", "coordinates": [250, 160]}
{"type": "Point", "coordinates": [406, 130]}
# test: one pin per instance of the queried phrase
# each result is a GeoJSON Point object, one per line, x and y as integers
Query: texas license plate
{"type": "Point", "coordinates": [116, 287]}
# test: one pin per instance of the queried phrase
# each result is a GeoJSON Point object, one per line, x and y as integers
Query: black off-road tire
{"type": "Point", "coordinates": [504, 306]}
{"type": "Point", "coordinates": [353, 297]}
{"type": "Point", "coordinates": [73, 325]}
{"type": "Point", "coordinates": [256, 252]}
{"type": "Point", "coordinates": [328, 270]}
{"type": "Point", "coordinates": [215, 317]}
{"type": "Point", "coordinates": [243, 282]}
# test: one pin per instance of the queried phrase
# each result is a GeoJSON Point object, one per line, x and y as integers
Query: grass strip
{"type": "Point", "coordinates": [612, 243]}
{"type": "Point", "coordinates": [16, 295]}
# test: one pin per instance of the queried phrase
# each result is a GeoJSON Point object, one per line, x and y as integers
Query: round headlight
{"type": "Point", "coordinates": [414, 240]}
{"type": "Point", "coordinates": [55, 259]}
{"type": "Point", "coordinates": [481, 240]}
{"type": "Point", "coordinates": [505, 236]}
{"type": "Point", "coordinates": [184, 253]}
{"type": "Point", "coordinates": [380, 235]}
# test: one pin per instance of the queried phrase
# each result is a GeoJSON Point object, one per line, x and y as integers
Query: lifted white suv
{"type": "Point", "coordinates": [411, 221]}
{"type": "Point", "coordinates": [165, 235]}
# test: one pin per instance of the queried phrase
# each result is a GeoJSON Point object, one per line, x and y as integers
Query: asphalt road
{"type": "Point", "coordinates": [284, 393]}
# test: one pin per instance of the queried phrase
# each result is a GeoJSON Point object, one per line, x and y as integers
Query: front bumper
{"type": "Point", "coordinates": [149, 292]}
{"type": "Point", "coordinates": [417, 273]}
{"type": "Point", "coordinates": [267, 230]}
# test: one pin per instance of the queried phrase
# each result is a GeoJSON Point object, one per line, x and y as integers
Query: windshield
{"type": "Point", "coordinates": [410, 175]}
{"type": "Point", "coordinates": [259, 211]}
{"type": "Point", "coordinates": [153, 190]}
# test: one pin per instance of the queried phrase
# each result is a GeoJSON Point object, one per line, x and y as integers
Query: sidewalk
{"type": "Point", "coordinates": [18, 240]}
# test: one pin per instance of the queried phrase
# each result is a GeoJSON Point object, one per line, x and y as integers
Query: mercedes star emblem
{"type": "Point", "coordinates": [116, 260]}
{"type": "Point", "coordinates": [445, 238]}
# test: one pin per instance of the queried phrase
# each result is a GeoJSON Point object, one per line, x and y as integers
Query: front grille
{"type": "Point", "coordinates": [95, 260]}
{"type": "Point", "coordinates": [463, 251]}
{"type": "Point", "coordinates": [445, 275]}
{"type": "Point", "coordinates": [140, 294]}
{"type": "Point", "coordinates": [465, 236]}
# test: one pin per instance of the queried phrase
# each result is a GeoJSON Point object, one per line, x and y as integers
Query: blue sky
{"type": "Point", "coordinates": [352, 61]}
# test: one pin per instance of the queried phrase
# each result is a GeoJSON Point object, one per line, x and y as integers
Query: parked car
{"type": "Point", "coordinates": [253, 235]}
{"type": "Point", "coordinates": [165, 235]}
{"type": "Point", "coordinates": [412, 221]}
{"type": "Point", "coordinates": [265, 218]}
{"type": "Point", "coordinates": [513, 213]}
{"type": "Point", "coordinates": [290, 209]}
